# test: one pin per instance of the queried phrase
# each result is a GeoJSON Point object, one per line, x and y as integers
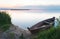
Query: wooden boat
{"type": "Point", "coordinates": [43, 25]}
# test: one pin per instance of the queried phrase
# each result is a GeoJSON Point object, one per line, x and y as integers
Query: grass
{"type": "Point", "coordinates": [5, 21]}
{"type": "Point", "coordinates": [52, 33]}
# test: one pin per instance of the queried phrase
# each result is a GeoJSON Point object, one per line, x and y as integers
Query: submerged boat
{"type": "Point", "coordinates": [43, 25]}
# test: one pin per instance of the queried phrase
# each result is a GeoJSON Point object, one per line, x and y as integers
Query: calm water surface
{"type": "Point", "coordinates": [25, 19]}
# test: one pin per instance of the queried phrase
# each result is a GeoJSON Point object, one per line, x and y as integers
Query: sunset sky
{"type": "Point", "coordinates": [13, 3]}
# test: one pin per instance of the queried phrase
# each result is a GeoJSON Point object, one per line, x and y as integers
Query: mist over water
{"type": "Point", "coordinates": [26, 19]}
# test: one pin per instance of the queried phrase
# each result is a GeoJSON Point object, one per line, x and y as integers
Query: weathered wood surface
{"type": "Point", "coordinates": [46, 24]}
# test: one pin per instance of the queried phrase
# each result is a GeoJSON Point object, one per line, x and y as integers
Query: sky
{"type": "Point", "coordinates": [14, 3]}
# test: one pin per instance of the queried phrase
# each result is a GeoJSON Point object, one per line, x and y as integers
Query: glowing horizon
{"type": "Point", "coordinates": [13, 3]}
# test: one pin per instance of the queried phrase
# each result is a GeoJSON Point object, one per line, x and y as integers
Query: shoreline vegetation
{"type": "Point", "coordinates": [10, 31]}
{"type": "Point", "coordinates": [14, 9]}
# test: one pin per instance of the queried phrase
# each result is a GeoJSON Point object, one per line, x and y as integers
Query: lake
{"type": "Point", "coordinates": [27, 18]}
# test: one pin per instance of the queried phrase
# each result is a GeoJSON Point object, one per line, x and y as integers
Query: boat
{"type": "Point", "coordinates": [43, 25]}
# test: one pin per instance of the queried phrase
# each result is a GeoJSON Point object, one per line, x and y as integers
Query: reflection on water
{"type": "Point", "coordinates": [25, 19]}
